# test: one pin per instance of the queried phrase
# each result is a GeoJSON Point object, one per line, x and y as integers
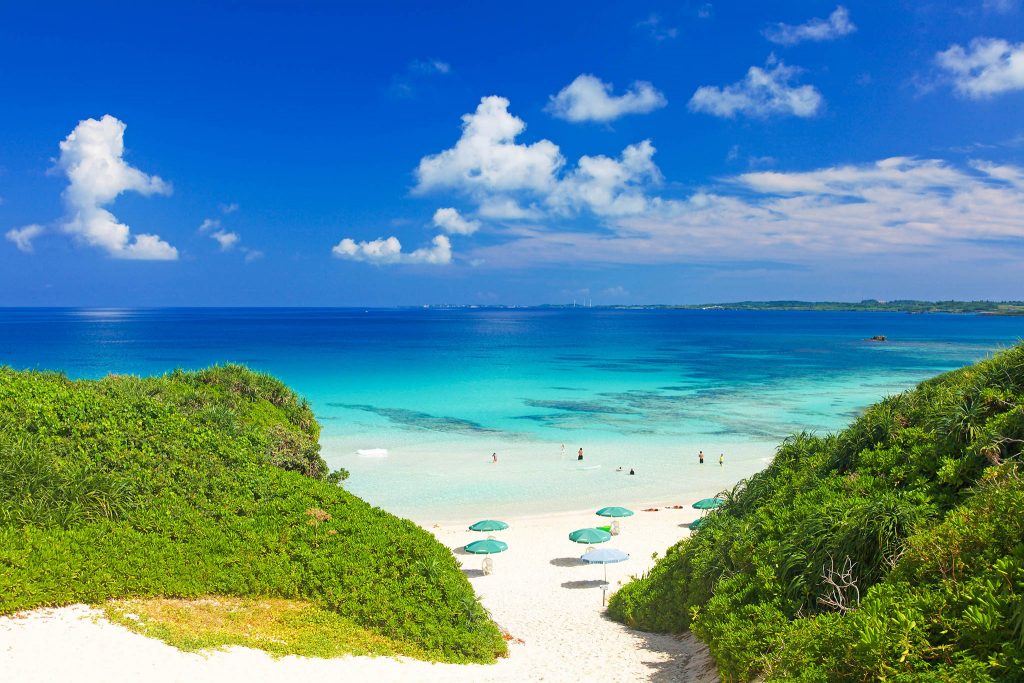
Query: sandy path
{"type": "Point", "coordinates": [538, 593]}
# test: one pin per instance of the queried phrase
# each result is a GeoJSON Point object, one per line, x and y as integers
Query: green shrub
{"type": "Point", "coordinates": [891, 551]}
{"type": "Point", "coordinates": [209, 483]}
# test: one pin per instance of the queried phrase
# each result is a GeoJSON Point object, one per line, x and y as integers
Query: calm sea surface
{"type": "Point", "coordinates": [441, 390]}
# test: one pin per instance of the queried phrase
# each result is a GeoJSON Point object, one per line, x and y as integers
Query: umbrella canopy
{"type": "Point", "coordinates": [708, 504]}
{"type": "Point", "coordinates": [605, 556]}
{"type": "Point", "coordinates": [589, 536]}
{"type": "Point", "coordinates": [488, 525]}
{"type": "Point", "coordinates": [487, 547]}
{"type": "Point", "coordinates": [697, 523]}
{"type": "Point", "coordinates": [615, 511]}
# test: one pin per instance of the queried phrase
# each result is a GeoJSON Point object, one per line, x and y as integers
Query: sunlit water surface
{"type": "Point", "coordinates": [442, 390]}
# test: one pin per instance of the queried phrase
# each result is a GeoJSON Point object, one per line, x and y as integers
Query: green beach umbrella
{"type": "Point", "coordinates": [488, 525]}
{"type": "Point", "coordinates": [486, 547]}
{"type": "Point", "coordinates": [708, 504]}
{"type": "Point", "coordinates": [615, 511]}
{"type": "Point", "coordinates": [697, 523]}
{"type": "Point", "coordinates": [589, 536]}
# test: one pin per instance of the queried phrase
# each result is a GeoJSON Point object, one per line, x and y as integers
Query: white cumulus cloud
{"type": "Point", "coordinates": [510, 181]}
{"type": "Point", "coordinates": [987, 67]}
{"type": "Point", "coordinates": [22, 237]}
{"type": "Point", "coordinates": [609, 187]}
{"type": "Point", "coordinates": [389, 251]}
{"type": "Point", "coordinates": [588, 98]}
{"type": "Point", "coordinates": [837, 25]}
{"type": "Point", "coordinates": [762, 93]}
{"type": "Point", "coordinates": [487, 157]}
{"type": "Point", "coordinates": [451, 221]}
{"type": "Point", "coordinates": [92, 159]}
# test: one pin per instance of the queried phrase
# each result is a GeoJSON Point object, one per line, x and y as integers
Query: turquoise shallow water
{"type": "Point", "coordinates": [443, 389]}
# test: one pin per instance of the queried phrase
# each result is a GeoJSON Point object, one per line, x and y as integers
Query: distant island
{"type": "Point", "coordinates": [867, 305]}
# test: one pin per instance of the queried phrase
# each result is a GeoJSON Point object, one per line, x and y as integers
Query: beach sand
{"type": "Point", "coordinates": [539, 593]}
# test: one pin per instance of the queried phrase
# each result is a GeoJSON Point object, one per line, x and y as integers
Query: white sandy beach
{"type": "Point", "coordinates": [538, 592]}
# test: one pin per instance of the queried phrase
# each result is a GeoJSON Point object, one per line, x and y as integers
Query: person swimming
{"type": "Point", "coordinates": [631, 471]}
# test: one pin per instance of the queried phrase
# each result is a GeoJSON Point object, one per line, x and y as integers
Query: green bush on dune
{"type": "Point", "coordinates": [891, 551]}
{"type": "Point", "coordinates": [205, 483]}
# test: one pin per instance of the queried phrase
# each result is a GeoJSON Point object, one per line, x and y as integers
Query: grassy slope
{"type": "Point", "coordinates": [209, 483]}
{"type": "Point", "coordinates": [922, 495]}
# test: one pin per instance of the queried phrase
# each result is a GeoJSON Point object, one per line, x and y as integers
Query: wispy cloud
{"type": "Point", "coordinates": [406, 85]}
{"type": "Point", "coordinates": [987, 67]}
{"type": "Point", "coordinates": [762, 93]}
{"type": "Point", "coordinates": [588, 98]}
{"type": "Point", "coordinates": [898, 206]}
{"type": "Point", "coordinates": [1000, 6]}
{"type": "Point", "coordinates": [654, 26]}
{"type": "Point", "coordinates": [22, 238]}
{"type": "Point", "coordinates": [837, 25]}
{"type": "Point", "coordinates": [429, 66]}
{"type": "Point", "coordinates": [227, 240]}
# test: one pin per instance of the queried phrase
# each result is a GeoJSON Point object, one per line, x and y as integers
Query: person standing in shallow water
{"type": "Point", "coordinates": [721, 458]}
{"type": "Point", "coordinates": [494, 457]}
{"type": "Point", "coordinates": [701, 456]}
{"type": "Point", "coordinates": [580, 456]}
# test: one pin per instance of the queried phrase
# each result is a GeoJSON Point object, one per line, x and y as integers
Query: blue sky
{"type": "Point", "coordinates": [321, 153]}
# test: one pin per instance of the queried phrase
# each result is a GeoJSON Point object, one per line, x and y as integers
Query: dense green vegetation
{"type": "Point", "coordinates": [891, 551]}
{"type": "Point", "coordinates": [210, 483]}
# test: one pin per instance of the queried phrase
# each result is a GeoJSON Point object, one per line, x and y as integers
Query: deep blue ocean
{"type": "Point", "coordinates": [441, 390]}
